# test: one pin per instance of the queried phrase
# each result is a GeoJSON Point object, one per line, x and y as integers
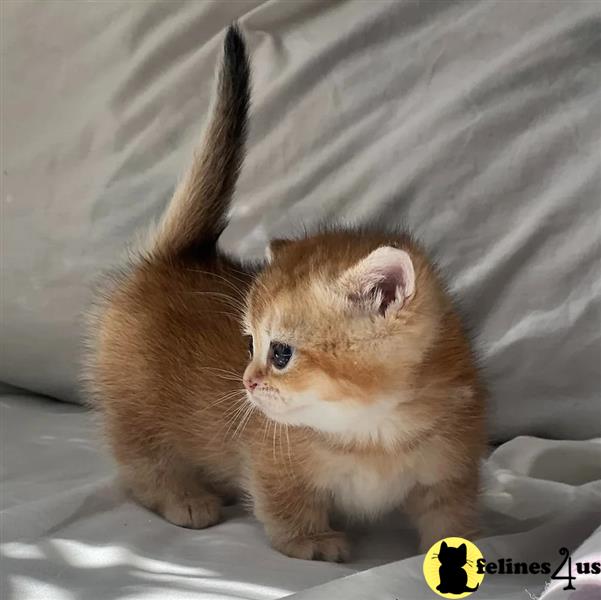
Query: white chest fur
{"type": "Point", "coordinates": [363, 487]}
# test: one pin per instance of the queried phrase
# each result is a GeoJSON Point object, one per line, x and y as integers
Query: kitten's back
{"type": "Point", "coordinates": [166, 325]}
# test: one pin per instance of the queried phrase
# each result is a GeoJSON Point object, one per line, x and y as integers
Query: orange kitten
{"type": "Point", "coordinates": [360, 355]}
{"type": "Point", "coordinates": [361, 397]}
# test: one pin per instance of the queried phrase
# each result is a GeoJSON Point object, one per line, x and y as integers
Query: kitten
{"type": "Point", "coordinates": [361, 395]}
{"type": "Point", "coordinates": [361, 357]}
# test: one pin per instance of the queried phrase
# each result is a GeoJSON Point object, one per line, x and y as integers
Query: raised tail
{"type": "Point", "coordinates": [197, 213]}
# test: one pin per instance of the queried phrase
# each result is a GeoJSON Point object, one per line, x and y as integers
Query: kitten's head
{"type": "Point", "coordinates": [451, 556]}
{"type": "Point", "coordinates": [337, 324]}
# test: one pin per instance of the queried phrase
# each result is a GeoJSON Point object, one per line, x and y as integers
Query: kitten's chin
{"type": "Point", "coordinates": [277, 417]}
{"type": "Point", "coordinates": [349, 420]}
{"type": "Point", "coordinates": [272, 408]}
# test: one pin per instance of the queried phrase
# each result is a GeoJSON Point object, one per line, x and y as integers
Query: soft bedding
{"type": "Point", "coordinates": [476, 124]}
{"type": "Point", "coordinates": [68, 533]}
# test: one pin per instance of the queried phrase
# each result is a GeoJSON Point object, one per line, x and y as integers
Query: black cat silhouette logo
{"type": "Point", "coordinates": [450, 568]}
{"type": "Point", "coordinates": [453, 577]}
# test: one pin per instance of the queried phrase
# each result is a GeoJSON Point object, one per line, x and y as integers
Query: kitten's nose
{"type": "Point", "coordinates": [253, 377]}
{"type": "Point", "coordinates": [250, 382]}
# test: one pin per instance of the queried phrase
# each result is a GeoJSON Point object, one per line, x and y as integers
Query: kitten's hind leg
{"type": "Point", "coordinates": [175, 492]}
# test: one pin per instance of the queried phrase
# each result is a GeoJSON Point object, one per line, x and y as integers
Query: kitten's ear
{"type": "Point", "coordinates": [443, 546]}
{"type": "Point", "coordinates": [383, 282]}
{"type": "Point", "coordinates": [463, 550]}
{"type": "Point", "coordinates": [274, 247]}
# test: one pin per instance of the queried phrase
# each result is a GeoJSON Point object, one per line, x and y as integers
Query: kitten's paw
{"type": "Point", "coordinates": [194, 512]}
{"type": "Point", "coordinates": [331, 546]}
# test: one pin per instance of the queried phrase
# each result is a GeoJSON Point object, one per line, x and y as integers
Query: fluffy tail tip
{"type": "Point", "coordinates": [234, 51]}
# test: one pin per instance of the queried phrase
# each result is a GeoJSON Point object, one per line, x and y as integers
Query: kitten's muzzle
{"type": "Point", "coordinates": [252, 382]}
{"type": "Point", "coordinates": [253, 377]}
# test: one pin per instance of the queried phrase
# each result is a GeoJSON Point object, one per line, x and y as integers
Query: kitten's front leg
{"type": "Point", "coordinates": [295, 516]}
{"type": "Point", "coordinates": [444, 509]}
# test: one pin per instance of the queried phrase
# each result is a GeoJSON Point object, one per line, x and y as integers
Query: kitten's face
{"type": "Point", "coordinates": [335, 331]}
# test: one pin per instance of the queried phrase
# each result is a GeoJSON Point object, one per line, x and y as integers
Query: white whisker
{"type": "Point", "coordinates": [224, 279]}
{"type": "Point", "coordinates": [236, 394]}
{"type": "Point", "coordinates": [273, 449]}
{"type": "Point", "coordinates": [244, 421]}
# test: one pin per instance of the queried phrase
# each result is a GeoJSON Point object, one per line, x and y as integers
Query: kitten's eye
{"type": "Point", "coordinates": [251, 348]}
{"type": "Point", "coordinates": [280, 354]}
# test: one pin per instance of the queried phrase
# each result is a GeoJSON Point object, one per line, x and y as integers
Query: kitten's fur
{"type": "Point", "coordinates": [379, 408]}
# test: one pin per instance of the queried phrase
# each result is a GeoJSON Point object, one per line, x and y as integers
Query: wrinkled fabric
{"type": "Point", "coordinates": [476, 124]}
{"type": "Point", "coordinates": [69, 532]}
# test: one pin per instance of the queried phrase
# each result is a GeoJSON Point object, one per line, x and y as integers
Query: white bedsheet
{"type": "Point", "coordinates": [476, 123]}
{"type": "Point", "coordinates": [68, 532]}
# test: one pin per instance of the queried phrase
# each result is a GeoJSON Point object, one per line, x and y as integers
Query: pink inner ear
{"type": "Point", "coordinates": [389, 290]}
{"type": "Point", "coordinates": [385, 276]}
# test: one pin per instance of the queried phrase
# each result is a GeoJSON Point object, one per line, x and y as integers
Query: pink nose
{"type": "Point", "coordinates": [250, 383]}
